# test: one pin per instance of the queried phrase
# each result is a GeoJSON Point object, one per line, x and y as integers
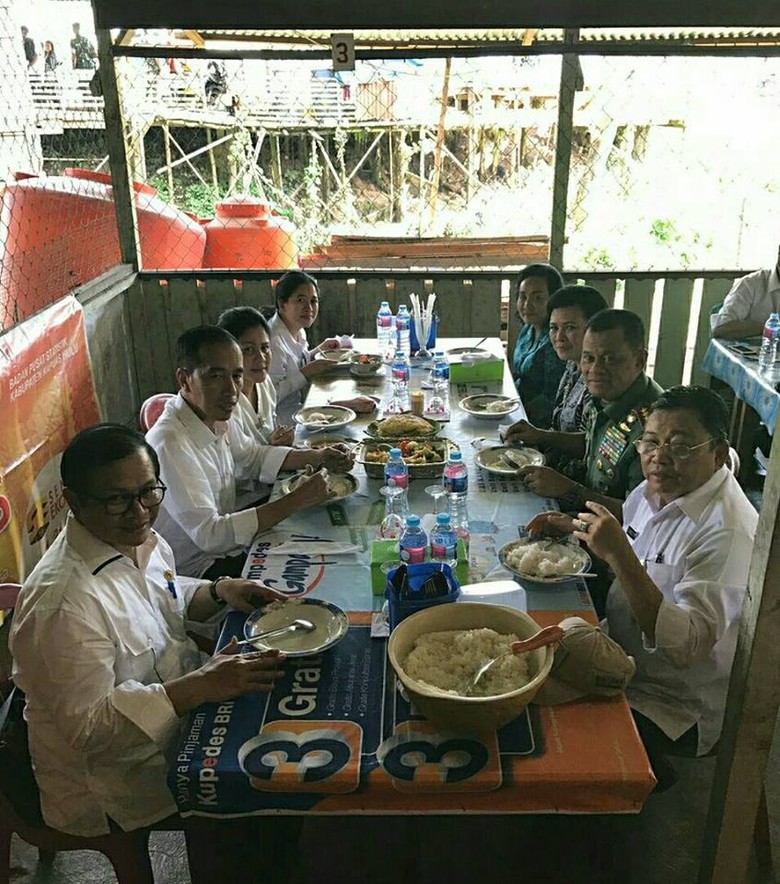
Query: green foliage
{"type": "Point", "coordinates": [598, 259]}
{"type": "Point", "coordinates": [199, 199]}
{"type": "Point", "coordinates": [664, 230]}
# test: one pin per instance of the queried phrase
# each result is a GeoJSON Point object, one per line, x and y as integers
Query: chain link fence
{"type": "Point", "coordinates": [415, 163]}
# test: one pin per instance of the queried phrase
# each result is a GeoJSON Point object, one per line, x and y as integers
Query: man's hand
{"type": "Point", "coordinates": [336, 459]}
{"type": "Point", "coordinates": [246, 595]}
{"type": "Point", "coordinates": [312, 492]}
{"type": "Point", "coordinates": [521, 432]}
{"type": "Point", "coordinates": [359, 404]}
{"type": "Point", "coordinates": [229, 674]}
{"type": "Point", "coordinates": [550, 524]}
{"type": "Point", "coordinates": [283, 436]}
{"type": "Point", "coordinates": [545, 481]}
{"type": "Point", "coordinates": [317, 367]}
{"type": "Point", "coordinates": [603, 533]}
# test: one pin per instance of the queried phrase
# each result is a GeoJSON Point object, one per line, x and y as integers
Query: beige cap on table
{"type": "Point", "coordinates": [587, 663]}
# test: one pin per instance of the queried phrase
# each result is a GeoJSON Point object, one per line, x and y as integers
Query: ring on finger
{"type": "Point", "coordinates": [584, 526]}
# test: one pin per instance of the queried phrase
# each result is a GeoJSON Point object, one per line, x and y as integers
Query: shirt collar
{"type": "Point", "coordinates": [774, 280]}
{"type": "Point", "coordinates": [278, 325]}
{"type": "Point", "coordinates": [694, 503]}
{"type": "Point", "coordinates": [200, 434]}
{"type": "Point", "coordinates": [623, 404]}
{"type": "Point", "coordinates": [96, 553]}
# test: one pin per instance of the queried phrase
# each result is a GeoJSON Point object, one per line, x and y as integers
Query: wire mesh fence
{"type": "Point", "coordinates": [244, 163]}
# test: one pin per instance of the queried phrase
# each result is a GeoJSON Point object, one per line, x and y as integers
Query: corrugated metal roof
{"type": "Point", "coordinates": [429, 37]}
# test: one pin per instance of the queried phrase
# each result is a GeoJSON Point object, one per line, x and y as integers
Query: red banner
{"type": "Point", "coordinates": [47, 396]}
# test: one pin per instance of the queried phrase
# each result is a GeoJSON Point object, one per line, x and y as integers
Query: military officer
{"type": "Point", "coordinates": [613, 367]}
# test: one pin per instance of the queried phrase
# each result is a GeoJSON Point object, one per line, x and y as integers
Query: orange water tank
{"type": "Point", "coordinates": [245, 233]}
{"type": "Point", "coordinates": [60, 232]}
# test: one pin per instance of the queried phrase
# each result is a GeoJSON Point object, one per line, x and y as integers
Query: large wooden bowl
{"type": "Point", "coordinates": [472, 715]}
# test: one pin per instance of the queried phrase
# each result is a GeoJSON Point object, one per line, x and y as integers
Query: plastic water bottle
{"type": "Point", "coordinates": [456, 476]}
{"type": "Point", "coordinates": [770, 341]}
{"type": "Point", "coordinates": [444, 540]}
{"type": "Point", "coordinates": [414, 542]}
{"type": "Point", "coordinates": [385, 323]}
{"type": "Point", "coordinates": [403, 321]}
{"type": "Point", "coordinates": [401, 373]}
{"type": "Point", "coordinates": [440, 369]}
{"type": "Point", "coordinates": [396, 469]}
{"type": "Point", "coordinates": [459, 516]}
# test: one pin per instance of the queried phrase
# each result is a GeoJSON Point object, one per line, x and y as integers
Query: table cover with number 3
{"type": "Point", "coordinates": [336, 736]}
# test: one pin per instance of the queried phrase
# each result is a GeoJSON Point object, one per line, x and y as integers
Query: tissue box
{"type": "Point", "coordinates": [483, 370]}
{"type": "Point", "coordinates": [384, 551]}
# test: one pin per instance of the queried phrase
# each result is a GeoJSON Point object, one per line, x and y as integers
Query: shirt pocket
{"type": "Point", "coordinates": [666, 577]}
{"type": "Point", "coordinates": [135, 659]}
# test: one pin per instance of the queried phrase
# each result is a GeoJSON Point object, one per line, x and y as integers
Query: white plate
{"type": "Point", "coordinates": [341, 356]}
{"type": "Point", "coordinates": [367, 375]}
{"type": "Point", "coordinates": [347, 479]}
{"type": "Point", "coordinates": [330, 621]}
{"type": "Point", "coordinates": [477, 405]}
{"type": "Point", "coordinates": [461, 351]}
{"type": "Point", "coordinates": [490, 459]}
{"type": "Point", "coordinates": [325, 441]}
{"type": "Point", "coordinates": [582, 559]}
{"type": "Point", "coordinates": [337, 416]}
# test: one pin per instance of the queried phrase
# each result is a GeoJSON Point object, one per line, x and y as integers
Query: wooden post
{"type": "Point", "coordinates": [751, 707]}
{"type": "Point", "coordinates": [212, 163]}
{"type": "Point", "coordinates": [422, 187]}
{"type": "Point", "coordinates": [440, 135]}
{"type": "Point", "coordinates": [168, 161]}
{"type": "Point", "coordinates": [399, 164]}
{"type": "Point", "coordinates": [565, 130]}
{"type": "Point", "coordinates": [124, 202]}
{"type": "Point", "coordinates": [276, 161]}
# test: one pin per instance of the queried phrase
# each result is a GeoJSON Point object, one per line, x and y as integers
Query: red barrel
{"type": "Point", "coordinates": [60, 232]}
{"type": "Point", "coordinates": [246, 234]}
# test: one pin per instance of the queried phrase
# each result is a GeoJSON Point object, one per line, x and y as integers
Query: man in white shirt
{"type": "Point", "coordinates": [198, 458]}
{"type": "Point", "coordinates": [748, 305]}
{"type": "Point", "coordinates": [100, 649]}
{"type": "Point", "coordinates": [681, 563]}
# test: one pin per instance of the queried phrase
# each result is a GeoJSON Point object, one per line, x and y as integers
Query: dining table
{"type": "Point", "coordinates": [335, 735]}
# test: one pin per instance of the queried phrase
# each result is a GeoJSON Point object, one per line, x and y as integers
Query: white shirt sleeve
{"type": "Point", "coordinates": [705, 601]}
{"type": "Point", "coordinates": [285, 371]}
{"type": "Point", "coordinates": [253, 459]}
{"type": "Point", "coordinates": [91, 711]}
{"type": "Point", "coordinates": [737, 303]}
{"type": "Point", "coordinates": [190, 502]}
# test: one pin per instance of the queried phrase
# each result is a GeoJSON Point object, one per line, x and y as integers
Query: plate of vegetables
{"type": "Point", "coordinates": [424, 457]}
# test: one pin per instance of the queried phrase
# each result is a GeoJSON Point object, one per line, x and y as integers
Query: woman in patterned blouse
{"type": "Point", "coordinates": [569, 310]}
{"type": "Point", "coordinates": [535, 366]}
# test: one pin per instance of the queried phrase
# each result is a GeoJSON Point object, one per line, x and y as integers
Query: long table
{"type": "Point", "coordinates": [336, 736]}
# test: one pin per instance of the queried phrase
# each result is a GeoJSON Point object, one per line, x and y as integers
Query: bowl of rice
{"type": "Point", "coordinates": [543, 562]}
{"type": "Point", "coordinates": [437, 652]}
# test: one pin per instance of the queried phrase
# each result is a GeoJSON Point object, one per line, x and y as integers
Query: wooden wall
{"type": "Point", "coordinates": [160, 307]}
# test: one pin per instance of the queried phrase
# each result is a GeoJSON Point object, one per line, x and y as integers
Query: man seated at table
{"type": "Point", "coordinates": [612, 363]}
{"type": "Point", "coordinates": [198, 458]}
{"type": "Point", "coordinates": [680, 563]}
{"type": "Point", "coordinates": [100, 649]}
{"type": "Point", "coordinates": [748, 305]}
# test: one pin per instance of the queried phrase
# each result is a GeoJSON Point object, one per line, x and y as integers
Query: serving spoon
{"type": "Point", "coordinates": [547, 636]}
{"type": "Point", "coordinates": [297, 625]}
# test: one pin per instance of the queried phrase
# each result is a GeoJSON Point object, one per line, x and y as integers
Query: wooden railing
{"type": "Point", "coordinates": [675, 307]}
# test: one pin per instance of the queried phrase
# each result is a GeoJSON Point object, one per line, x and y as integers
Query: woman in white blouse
{"type": "Point", "coordinates": [292, 363]}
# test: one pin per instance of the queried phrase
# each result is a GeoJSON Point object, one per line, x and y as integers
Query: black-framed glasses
{"type": "Point", "coordinates": [678, 450]}
{"type": "Point", "coordinates": [119, 504]}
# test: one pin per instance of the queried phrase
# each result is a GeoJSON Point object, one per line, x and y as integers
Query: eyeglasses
{"type": "Point", "coordinates": [678, 450]}
{"type": "Point", "coordinates": [119, 504]}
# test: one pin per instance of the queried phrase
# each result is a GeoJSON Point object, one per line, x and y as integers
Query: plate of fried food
{"type": "Point", "coordinates": [400, 426]}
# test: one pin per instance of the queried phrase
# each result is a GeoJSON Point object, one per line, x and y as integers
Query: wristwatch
{"type": "Point", "coordinates": [213, 590]}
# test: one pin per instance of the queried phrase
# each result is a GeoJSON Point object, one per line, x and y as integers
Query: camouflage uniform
{"type": "Point", "coordinates": [83, 53]}
{"type": "Point", "coordinates": [612, 461]}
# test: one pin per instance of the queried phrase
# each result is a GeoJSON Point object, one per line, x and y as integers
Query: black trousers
{"type": "Point", "coordinates": [658, 746]}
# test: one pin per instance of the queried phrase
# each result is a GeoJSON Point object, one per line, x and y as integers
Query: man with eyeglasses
{"type": "Point", "coordinates": [680, 563]}
{"type": "Point", "coordinates": [100, 649]}
{"type": "Point", "coordinates": [612, 363]}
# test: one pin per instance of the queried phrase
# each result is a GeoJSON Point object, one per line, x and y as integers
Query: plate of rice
{"type": "Point", "coordinates": [544, 561]}
{"type": "Point", "coordinates": [489, 406]}
{"type": "Point", "coordinates": [448, 662]}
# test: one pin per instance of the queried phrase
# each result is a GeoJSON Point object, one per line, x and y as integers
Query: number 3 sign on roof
{"type": "Point", "coordinates": [342, 49]}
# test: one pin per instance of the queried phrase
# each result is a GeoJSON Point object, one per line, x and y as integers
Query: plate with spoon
{"type": "Point", "coordinates": [297, 627]}
{"type": "Point", "coordinates": [506, 460]}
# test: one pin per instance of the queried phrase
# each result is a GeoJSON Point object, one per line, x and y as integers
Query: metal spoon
{"type": "Point", "coordinates": [300, 624]}
{"type": "Point", "coordinates": [547, 636]}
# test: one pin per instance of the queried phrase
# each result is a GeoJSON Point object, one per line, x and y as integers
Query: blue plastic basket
{"type": "Point", "coordinates": [399, 609]}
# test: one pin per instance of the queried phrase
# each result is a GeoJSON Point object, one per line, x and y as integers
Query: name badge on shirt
{"type": "Point", "coordinates": [632, 532]}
